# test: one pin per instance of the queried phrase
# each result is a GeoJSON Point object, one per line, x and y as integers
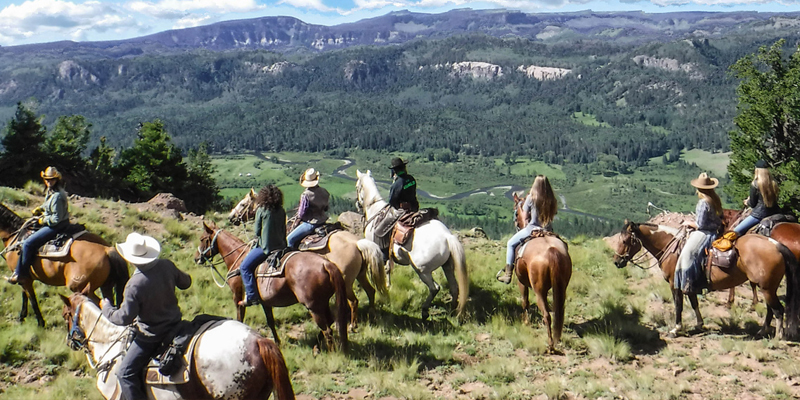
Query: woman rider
{"type": "Point", "coordinates": [312, 210]}
{"type": "Point", "coordinates": [53, 218]}
{"type": "Point", "coordinates": [270, 231]}
{"type": "Point", "coordinates": [763, 198]}
{"type": "Point", "coordinates": [539, 209]}
{"type": "Point", "coordinates": [688, 273]}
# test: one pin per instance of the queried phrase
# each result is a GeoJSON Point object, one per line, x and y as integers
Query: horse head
{"type": "Point", "coordinates": [360, 190]}
{"type": "Point", "coordinates": [208, 244]}
{"type": "Point", "coordinates": [244, 210]}
{"type": "Point", "coordinates": [628, 244]}
{"type": "Point", "coordinates": [519, 222]}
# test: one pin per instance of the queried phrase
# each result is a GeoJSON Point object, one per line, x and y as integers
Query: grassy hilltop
{"type": "Point", "coordinates": [614, 340]}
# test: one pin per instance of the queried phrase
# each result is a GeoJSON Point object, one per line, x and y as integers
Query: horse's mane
{"type": "Point", "coordinates": [9, 219]}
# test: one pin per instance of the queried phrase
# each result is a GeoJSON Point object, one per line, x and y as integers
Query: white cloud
{"type": "Point", "coordinates": [58, 17]}
{"type": "Point", "coordinates": [193, 20]}
{"type": "Point", "coordinates": [177, 9]}
{"type": "Point", "coordinates": [310, 4]}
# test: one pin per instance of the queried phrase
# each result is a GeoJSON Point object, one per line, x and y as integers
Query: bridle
{"type": "Point", "coordinates": [207, 257]}
{"type": "Point", "coordinates": [77, 339]}
{"type": "Point", "coordinates": [628, 257]}
{"type": "Point", "coordinates": [362, 208]}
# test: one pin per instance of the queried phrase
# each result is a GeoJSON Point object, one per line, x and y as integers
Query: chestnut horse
{"type": "Point", "coordinates": [91, 264]}
{"type": "Point", "coordinates": [309, 279]}
{"type": "Point", "coordinates": [544, 264]}
{"type": "Point", "coordinates": [762, 261]}
{"type": "Point", "coordinates": [230, 360]}
{"type": "Point", "coordinates": [356, 258]}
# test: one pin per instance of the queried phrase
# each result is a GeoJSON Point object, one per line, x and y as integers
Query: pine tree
{"type": "Point", "coordinates": [22, 157]}
{"type": "Point", "coordinates": [69, 137]}
{"type": "Point", "coordinates": [153, 164]}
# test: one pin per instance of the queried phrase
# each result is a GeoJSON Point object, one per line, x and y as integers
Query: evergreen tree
{"type": "Point", "coordinates": [153, 164]}
{"type": "Point", "coordinates": [201, 192]}
{"type": "Point", "coordinates": [102, 157]}
{"type": "Point", "coordinates": [768, 122]}
{"type": "Point", "coordinates": [68, 139]}
{"type": "Point", "coordinates": [22, 157]}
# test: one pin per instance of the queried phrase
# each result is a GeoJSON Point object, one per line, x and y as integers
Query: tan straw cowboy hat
{"type": "Point", "coordinates": [139, 249]}
{"type": "Point", "coordinates": [50, 173]}
{"type": "Point", "coordinates": [704, 182]}
{"type": "Point", "coordinates": [310, 178]}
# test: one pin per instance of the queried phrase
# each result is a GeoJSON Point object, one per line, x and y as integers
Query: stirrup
{"type": "Point", "coordinates": [248, 302]}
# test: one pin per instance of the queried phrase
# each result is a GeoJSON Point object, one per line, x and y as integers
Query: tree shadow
{"type": "Point", "coordinates": [624, 324]}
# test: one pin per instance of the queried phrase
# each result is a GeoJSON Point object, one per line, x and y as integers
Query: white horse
{"type": "Point", "coordinates": [229, 360]}
{"type": "Point", "coordinates": [431, 246]}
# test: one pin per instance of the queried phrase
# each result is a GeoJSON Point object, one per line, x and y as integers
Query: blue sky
{"type": "Point", "coordinates": [36, 21]}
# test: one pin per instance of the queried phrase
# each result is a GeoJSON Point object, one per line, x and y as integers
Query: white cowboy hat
{"type": "Point", "coordinates": [139, 249]}
{"type": "Point", "coordinates": [310, 178]}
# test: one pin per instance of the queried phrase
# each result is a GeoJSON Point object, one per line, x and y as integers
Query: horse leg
{"type": "Point", "coordinates": [731, 296]}
{"type": "Point", "coordinates": [544, 308]}
{"type": "Point", "coordinates": [23, 312]}
{"type": "Point", "coordinates": [452, 283]}
{"type": "Point", "coordinates": [696, 308]}
{"type": "Point", "coordinates": [755, 296]}
{"type": "Point", "coordinates": [363, 280]}
{"type": "Point", "coordinates": [523, 291]}
{"type": "Point", "coordinates": [28, 288]}
{"type": "Point", "coordinates": [433, 289]}
{"type": "Point", "coordinates": [270, 321]}
{"type": "Point", "coordinates": [774, 308]}
{"type": "Point", "coordinates": [324, 318]}
{"type": "Point", "coordinates": [677, 298]}
{"type": "Point", "coordinates": [352, 300]}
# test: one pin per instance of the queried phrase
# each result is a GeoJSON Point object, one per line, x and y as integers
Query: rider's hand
{"type": "Point", "coordinates": [104, 303]}
{"type": "Point", "coordinates": [747, 200]}
{"type": "Point", "coordinates": [41, 221]}
{"type": "Point", "coordinates": [37, 211]}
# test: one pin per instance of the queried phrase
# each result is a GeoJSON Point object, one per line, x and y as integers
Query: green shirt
{"type": "Point", "coordinates": [270, 229]}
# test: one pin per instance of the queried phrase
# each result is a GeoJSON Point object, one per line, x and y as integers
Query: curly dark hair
{"type": "Point", "coordinates": [269, 197]}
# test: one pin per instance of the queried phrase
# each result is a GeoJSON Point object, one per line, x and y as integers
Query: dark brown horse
{"type": "Point", "coordinates": [544, 264]}
{"type": "Point", "coordinates": [762, 261]}
{"type": "Point", "coordinates": [229, 360]}
{"type": "Point", "coordinates": [91, 264]}
{"type": "Point", "coordinates": [309, 279]}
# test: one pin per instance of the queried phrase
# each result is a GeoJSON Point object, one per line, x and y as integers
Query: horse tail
{"type": "Point", "coordinates": [792, 312]}
{"type": "Point", "coordinates": [373, 258]}
{"type": "Point", "coordinates": [561, 272]}
{"type": "Point", "coordinates": [118, 273]}
{"type": "Point", "coordinates": [459, 260]}
{"type": "Point", "coordinates": [343, 309]}
{"type": "Point", "coordinates": [276, 365]}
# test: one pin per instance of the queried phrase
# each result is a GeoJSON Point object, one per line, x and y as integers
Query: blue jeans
{"type": "Point", "coordinates": [247, 268]}
{"type": "Point", "coordinates": [745, 225]}
{"type": "Point", "coordinates": [129, 374]}
{"type": "Point", "coordinates": [511, 246]}
{"type": "Point", "coordinates": [30, 248]}
{"type": "Point", "coordinates": [302, 230]}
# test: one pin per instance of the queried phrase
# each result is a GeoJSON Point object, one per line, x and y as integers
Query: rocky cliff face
{"type": "Point", "coordinates": [72, 72]}
{"type": "Point", "coordinates": [543, 73]}
{"type": "Point", "coordinates": [669, 64]}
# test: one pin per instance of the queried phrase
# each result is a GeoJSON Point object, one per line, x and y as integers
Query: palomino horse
{"type": "Point", "coordinates": [355, 258]}
{"type": "Point", "coordinates": [309, 279]}
{"type": "Point", "coordinates": [229, 360]}
{"type": "Point", "coordinates": [543, 265]}
{"type": "Point", "coordinates": [91, 264]}
{"type": "Point", "coordinates": [762, 261]}
{"type": "Point", "coordinates": [432, 246]}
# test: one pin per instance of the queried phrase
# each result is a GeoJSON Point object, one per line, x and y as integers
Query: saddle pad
{"type": "Point", "coordinates": [59, 247]}
{"type": "Point", "coordinates": [153, 377]}
{"type": "Point", "coordinates": [315, 242]}
{"type": "Point", "coordinates": [264, 270]}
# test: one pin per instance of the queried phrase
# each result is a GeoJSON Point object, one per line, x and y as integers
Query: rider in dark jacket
{"type": "Point", "coordinates": [403, 193]}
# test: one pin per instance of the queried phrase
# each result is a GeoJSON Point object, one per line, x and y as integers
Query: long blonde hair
{"type": "Point", "coordinates": [544, 199]}
{"type": "Point", "coordinates": [712, 198]}
{"type": "Point", "coordinates": [766, 185]}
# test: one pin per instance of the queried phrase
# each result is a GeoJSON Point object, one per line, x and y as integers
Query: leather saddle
{"type": "Point", "coordinates": [535, 234]}
{"type": "Point", "coordinates": [275, 264]}
{"type": "Point", "coordinates": [319, 239]}
{"type": "Point", "coordinates": [765, 226]}
{"type": "Point", "coordinates": [59, 245]}
{"type": "Point", "coordinates": [173, 360]}
{"type": "Point", "coordinates": [404, 227]}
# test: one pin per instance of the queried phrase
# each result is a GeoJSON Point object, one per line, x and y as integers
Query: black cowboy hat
{"type": "Point", "coordinates": [397, 162]}
{"type": "Point", "coordinates": [761, 164]}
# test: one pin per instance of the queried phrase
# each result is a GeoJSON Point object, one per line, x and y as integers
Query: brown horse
{"type": "Point", "coordinates": [91, 264]}
{"type": "Point", "coordinates": [762, 261]}
{"type": "Point", "coordinates": [229, 360]}
{"type": "Point", "coordinates": [355, 257]}
{"type": "Point", "coordinates": [309, 279]}
{"type": "Point", "coordinates": [543, 265]}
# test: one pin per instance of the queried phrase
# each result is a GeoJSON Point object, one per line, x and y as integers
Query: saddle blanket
{"type": "Point", "coordinates": [275, 264]}
{"type": "Point", "coordinates": [59, 247]}
{"type": "Point", "coordinates": [153, 376]}
{"type": "Point", "coordinates": [319, 239]}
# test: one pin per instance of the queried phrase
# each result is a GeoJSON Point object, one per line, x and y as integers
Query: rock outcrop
{"type": "Point", "coordinates": [669, 64]}
{"type": "Point", "coordinates": [543, 73]}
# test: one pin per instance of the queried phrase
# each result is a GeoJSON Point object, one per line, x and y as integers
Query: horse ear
{"type": "Point", "coordinates": [516, 198]}
{"type": "Point", "coordinates": [369, 173]}
{"type": "Point", "coordinates": [208, 228]}
{"type": "Point", "coordinates": [627, 224]}
{"type": "Point", "coordinates": [252, 192]}
{"type": "Point", "coordinates": [358, 174]}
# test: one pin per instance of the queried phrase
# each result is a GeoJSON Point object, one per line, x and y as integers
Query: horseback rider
{"type": "Point", "coordinates": [149, 301]}
{"type": "Point", "coordinates": [708, 211]}
{"type": "Point", "coordinates": [270, 232]}
{"type": "Point", "coordinates": [539, 209]}
{"type": "Point", "coordinates": [763, 198]}
{"type": "Point", "coordinates": [403, 193]}
{"type": "Point", "coordinates": [53, 218]}
{"type": "Point", "coordinates": [312, 210]}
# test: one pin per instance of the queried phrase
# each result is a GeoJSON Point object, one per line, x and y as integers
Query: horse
{"type": "Point", "coordinates": [543, 265]}
{"type": "Point", "coordinates": [432, 246]}
{"type": "Point", "coordinates": [354, 257]}
{"type": "Point", "coordinates": [229, 361]}
{"type": "Point", "coordinates": [92, 263]}
{"type": "Point", "coordinates": [309, 279]}
{"type": "Point", "coordinates": [762, 261]}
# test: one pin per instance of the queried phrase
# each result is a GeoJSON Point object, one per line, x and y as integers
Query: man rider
{"type": "Point", "coordinates": [403, 193]}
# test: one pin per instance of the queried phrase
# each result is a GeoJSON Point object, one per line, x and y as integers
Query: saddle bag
{"type": "Point", "coordinates": [401, 233]}
{"type": "Point", "coordinates": [722, 259]}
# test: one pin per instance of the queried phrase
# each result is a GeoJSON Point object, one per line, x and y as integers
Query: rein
{"type": "Point", "coordinates": [78, 339]}
{"type": "Point", "coordinates": [206, 259]}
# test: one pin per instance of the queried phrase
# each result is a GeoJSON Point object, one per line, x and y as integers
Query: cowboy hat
{"type": "Point", "coordinates": [310, 178]}
{"type": "Point", "coordinates": [50, 173]}
{"type": "Point", "coordinates": [139, 249]}
{"type": "Point", "coordinates": [761, 164]}
{"type": "Point", "coordinates": [397, 162]}
{"type": "Point", "coordinates": [704, 182]}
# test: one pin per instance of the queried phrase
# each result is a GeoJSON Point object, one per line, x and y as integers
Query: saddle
{"type": "Point", "coordinates": [275, 264]}
{"type": "Point", "coordinates": [319, 239]}
{"type": "Point", "coordinates": [59, 245]}
{"type": "Point", "coordinates": [535, 234]}
{"type": "Point", "coordinates": [173, 360]}
{"type": "Point", "coordinates": [404, 227]}
{"type": "Point", "coordinates": [765, 226]}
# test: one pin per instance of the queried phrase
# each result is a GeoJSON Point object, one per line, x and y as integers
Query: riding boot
{"type": "Point", "coordinates": [505, 275]}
